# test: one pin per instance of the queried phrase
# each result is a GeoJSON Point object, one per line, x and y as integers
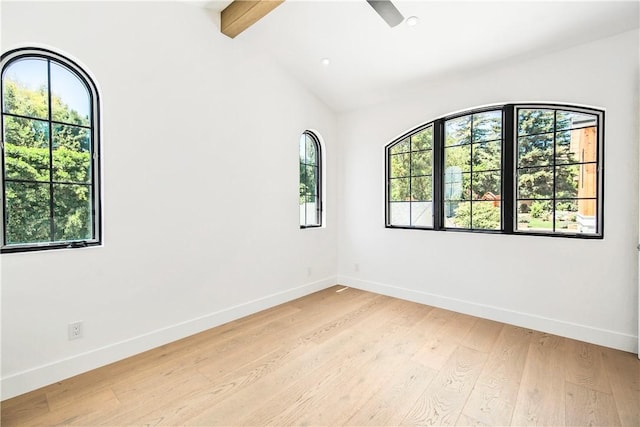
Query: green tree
{"type": "Point", "coordinates": [34, 173]}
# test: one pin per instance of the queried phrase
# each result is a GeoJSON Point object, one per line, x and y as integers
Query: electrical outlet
{"type": "Point", "coordinates": [75, 330]}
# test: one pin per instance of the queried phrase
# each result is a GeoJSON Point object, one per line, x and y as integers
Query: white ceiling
{"type": "Point", "coordinates": [371, 62]}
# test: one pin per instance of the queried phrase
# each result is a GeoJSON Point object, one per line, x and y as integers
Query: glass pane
{"type": "Point", "coordinates": [535, 150]}
{"type": "Point", "coordinates": [303, 218]}
{"type": "Point", "coordinates": [486, 185]}
{"type": "Point", "coordinates": [457, 185]}
{"type": "Point", "coordinates": [458, 157]}
{"type": "Point", "coordinates": [421, 189]}
{"type": "Point", "coordinates": [27, 212]}
{"type": "Point", "coordinates": [421, 163]}
{"type": "Point", "coordinates": [457, 214]}
{"type": "Point", "coordinates": [588, 181]}
{"type": "Point", "coordinates": [587, 216]}
{"type": "Point", "coordinates": [579, 145]}
{"type": "Point", "coordinates": [312, 213]}
{"type": "Point", "coordinates": [26, 149]}
{"type": "Point", "coordinates": [72, 212]}
{"type": "Point", "coordinates": [308, 180]}
{"type": "Point", "coordinates": [422, 214]}
{"type": "Point", "coordinates": [534, 121]}
{"type": "Point", "coordinates": [572, 120]}
{"type": "Point", "coordinates": [422, 140]}
{"type": "Point", "coordinates": [25, 88]}
{"type": "Point", "coordinates": [71, 155]}
{"type": "Point", "coordinates": [70, 101]}
{"type": "Point", "coordinates": [400, 147]}
{"type": "Point", "coordinates": [535, 183]}
{"type": "Point", "coordinates": [303, 149]}
{"type": "Point", "coordinates": [486, 156]}
{"type": "Point", "coordinates": [567, 181]}
{"type": "Point", "coordinates": [400, 190]}
{"type": "Point", "coordinates": [400, 165]}
{"type": "Point", "coordinates": [311, 150]}
{"type": "Point", "coordinates": [485, 215]}
{"type": "Point", "coordinates": [457, 131]}
{"type": "Point", "coordinates": [535, 215]}
{"type": "Point", "coordinates": [487, 126]}
{"type": "Point", "coordinates": [399, 213]}
{"type": "Point", "coordinates": [566, 216]}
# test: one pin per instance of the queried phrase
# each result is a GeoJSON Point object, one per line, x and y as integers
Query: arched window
{"type": "Point", "coordinates": [515, 168]}
{"type": "Point", "coordinates": [310, 181]}
{"type": "Point", "coordinates": [50, 156]}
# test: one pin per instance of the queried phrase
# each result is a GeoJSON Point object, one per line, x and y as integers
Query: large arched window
{"type": "Point", "coordinates": [50, 157]}
{"type": "Point", "coordinates": [310, 181]}
{"type": "Point", "coordinates": [525, 169]}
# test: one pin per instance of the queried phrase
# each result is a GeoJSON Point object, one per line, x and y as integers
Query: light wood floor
{"type": "Point", "coordinates": [350, 358]}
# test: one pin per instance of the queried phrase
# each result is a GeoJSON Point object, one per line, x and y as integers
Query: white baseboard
{"type": "Point", "coordinates": [32, 379]}
{"type": "Point", "coordinates": [604, 337]}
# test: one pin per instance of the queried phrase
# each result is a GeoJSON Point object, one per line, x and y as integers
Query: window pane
{"type": "Point", "coordinates": [486, 185]}
{"type": "Point", "coordinates": [457, 185]}
{"type": "Point", "coordinates": [587, 216]}
{"type": "Point", "coordinates": [400, 190]}
{"type": "Point", "coordinates": [27, 212]}
{"type": "Point", "coordinates": [311, 150]}
{"type": "Point", "coordinates": [399, 213]}
{"type": "Point", "coordinates": [588, 181]}
{"type": "Point", "coordinates": [459, 157]}
{"type": "Point", "coordinates": [422, 140]}
{"type": "Point", "coordinates": [71, 154]}
{"type": "Point", "coordinates": [485, 215]}
{"type": "Point", "coordinates": [421, 188]}
{"type": "Point", "coordinates": [535, 150]}
{"type": "Point", "coordinates": [535, 183]}
{"type": "Point", "coordinates": [25, 88]}
{"type": "Point", "coordinates": [400, 147]}
{"type": "Point", "coordinates": [310, 179]}
{"type": "Point", "coordinates": [457, 214]}
{"type": "Point", "coordinates": [486, 156]}
{"type": "Point", "coordinates": [572, 120]}
{"type": "Point", "coordinates": [567, 181]}
{"type": "Point", "coordinates": [457, 131]}
{"type": "Point", "coordinates": [487, 126]}
{"type": "Point", "coordinates": [422, 214]}
{"type": "Point", "coordinates": [69, 97]}
{"type": "Point", "coordinates": [535, 215]}
{"type": "Point", "coordinates": [72, 212]}
{"type": "Point", "coordinates": [535, 121]}
{"type": "Point", "coordinates": [576, 146]}
{"type": "Point", "coordinates": [421, 163]}
{"type": "Point", "coordinates": [26, 149]}
{"type": "Point", "coordinates": [400, 165]}
{"type": "Point", "coordinates": [312, 213]}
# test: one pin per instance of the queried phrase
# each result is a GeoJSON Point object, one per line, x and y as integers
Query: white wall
{"type": "Point", "coordinates": [586, 289]}
{"type": "Point", "coordinates": [197, 131]}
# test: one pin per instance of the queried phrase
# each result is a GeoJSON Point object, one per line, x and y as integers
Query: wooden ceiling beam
{"type": "Point", "coordinates": [241, 14]}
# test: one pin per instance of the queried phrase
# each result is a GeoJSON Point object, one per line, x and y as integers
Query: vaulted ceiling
{"type": "Point", "coordinates": [371, 62]}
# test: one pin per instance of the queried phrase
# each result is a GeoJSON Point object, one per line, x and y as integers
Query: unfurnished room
{"type": "Point", "coordinates": [320, 213]}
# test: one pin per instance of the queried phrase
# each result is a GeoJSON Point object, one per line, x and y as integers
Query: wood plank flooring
{"type": "Point", "coordinates": [350, 358]}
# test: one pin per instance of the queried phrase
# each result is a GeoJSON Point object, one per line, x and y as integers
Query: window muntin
{"type": "Point", "coordinates": [472, 172]}
{"type": "Point", "coordinates": [557, 183]}
{"type": "Point", "coordinates": [410, 189]}
{"type": "Point", "coordinates": [49, 153]}
{"type": "Point", "coordinates": [310, 181]}
{"type": "Point", "coordinates": [486, 177]}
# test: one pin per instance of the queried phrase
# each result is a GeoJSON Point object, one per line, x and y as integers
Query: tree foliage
{"type": "Point", "coordinates": [47, 168]}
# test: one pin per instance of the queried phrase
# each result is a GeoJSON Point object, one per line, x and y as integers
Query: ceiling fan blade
{"type": "Point", "coordinates": [387, 11]}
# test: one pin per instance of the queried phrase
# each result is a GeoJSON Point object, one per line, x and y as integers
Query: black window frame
{"type": "Point", "coordinates": [94, 128]}
{"type": "Point", "coordinates": [509, 168]}
{"type": "Point", "coordinates": [318, 179]}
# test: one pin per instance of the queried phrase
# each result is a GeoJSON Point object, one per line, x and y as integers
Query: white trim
{"type": "Point", "coordinates": [31, 379]}
{"type": "Point", "coordinates": [603, 337]}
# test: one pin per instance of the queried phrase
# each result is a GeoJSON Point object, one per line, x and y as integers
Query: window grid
{"type": "Point", "coordinates": [310, 187]}
{"type": "Point", "coordinates": [579, 119]}
{"type": "Point", "coordinates": [56, 238]}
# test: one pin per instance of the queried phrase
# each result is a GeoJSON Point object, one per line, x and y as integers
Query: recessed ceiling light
{"type": "Point", "coordinates": [325, 62]}
{"type": "Point", "coordinates": [412, 21]}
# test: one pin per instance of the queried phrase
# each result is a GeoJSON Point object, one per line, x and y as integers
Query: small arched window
{"type": "Point", "coordinates": [50, 162]}
{"type": "Point", "coordinates": [310, 181]}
